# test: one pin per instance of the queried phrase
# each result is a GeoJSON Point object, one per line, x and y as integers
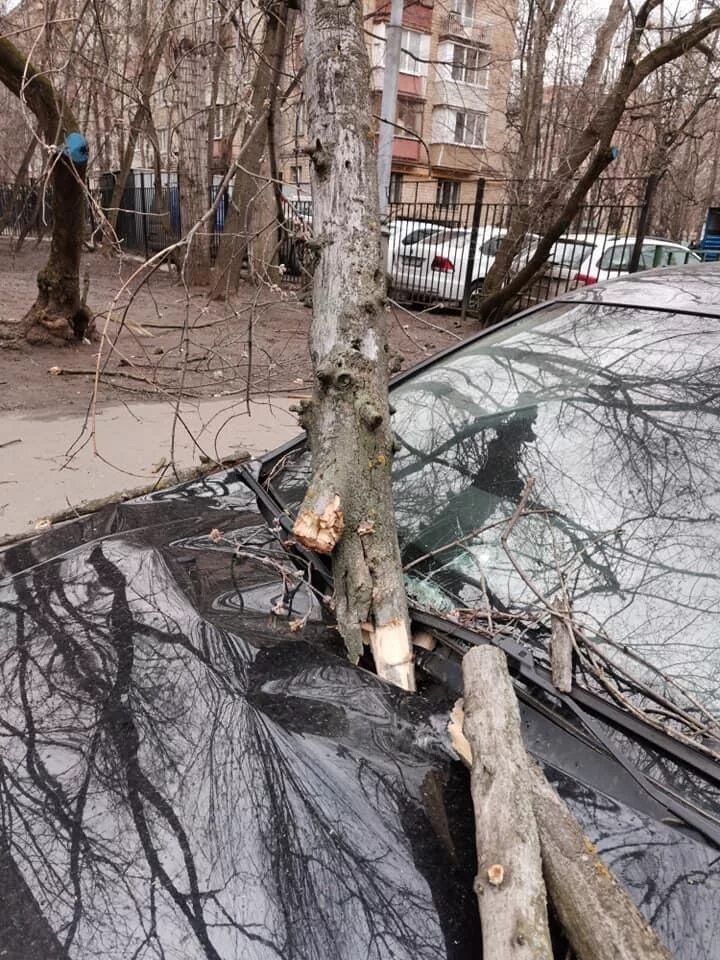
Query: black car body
{"type": "Point", "coordinates": [183, 772]}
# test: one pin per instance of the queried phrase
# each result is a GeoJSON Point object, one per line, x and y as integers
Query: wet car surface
{"type": "Point", "coordinates": [184, 773]}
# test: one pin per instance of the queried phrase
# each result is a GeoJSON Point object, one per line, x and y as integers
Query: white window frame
{"type": "Point", "coordinates": [479, 125]}
{"type": "Point", "coordinates": [470, 75]}
{"type": "Point", "coordinates": [411, 41]}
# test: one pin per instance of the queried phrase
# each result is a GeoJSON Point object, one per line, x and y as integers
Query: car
{"type": "Point", "coordinates": [434, 269]}
{"type": "Point", "coordinates": [405, 233]}
{"type": "Point", "coordinates": [583, 259]}
{"type": "Point", "coordinates": [190, 767]}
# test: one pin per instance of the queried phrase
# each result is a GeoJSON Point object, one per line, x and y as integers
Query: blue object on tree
{"type": "Point", "coordinates": [76, 147]}
{"type": "Point", "coordinates": [614, 153]}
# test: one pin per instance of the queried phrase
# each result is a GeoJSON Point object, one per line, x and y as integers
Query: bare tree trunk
{"type": "Point", "coordinates": [237, 234]}
{"type": "Point", "coordinates": [348, 509]}
{"type": "Point", "coordinates": [600, 920]}
{"type": "Point", "coordinates": [58, 315]}
{"type": "Point", "coordinates": [509, 882]}
{"type": "Point", "coordinates": [191, 80]}
{"type": "Point", "coordinates": [588, 156]}
{"type": "Point", "coordinates": [514, 807]}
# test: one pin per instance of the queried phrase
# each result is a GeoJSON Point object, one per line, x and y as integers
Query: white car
{"type": "Point", "coordinates": [582, 259]}
{"type": "Point", "coordinates": [405, 233]}
{"type": "Point", "coordinates": [434, 269]}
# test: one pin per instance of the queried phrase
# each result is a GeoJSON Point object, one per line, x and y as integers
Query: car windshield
{"type": "Point", "coordinates": [575, 454]}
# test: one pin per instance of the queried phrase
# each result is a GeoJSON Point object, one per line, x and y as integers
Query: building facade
{"type": "Point", "coordinates": [454, 77]}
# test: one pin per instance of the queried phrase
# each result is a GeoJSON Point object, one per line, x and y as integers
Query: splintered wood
{"type": "Point", "coordinates": [320, 530]}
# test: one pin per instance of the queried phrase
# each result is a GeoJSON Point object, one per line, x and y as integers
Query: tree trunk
{"type": "Point", "coordinates": [190, 80]}
{"type": "Point", "coordinates": [58, 315]}
{"type": "Point", "coordinates": [598, 917]}
{"type": "Point", "coordinates": [237, 233]}
{"type": "Point", "coordinates": [588, 155]}
{"type": "Point", "coordinates": [347, 510]}
{"type": "Point", "coordinates": [509, 882]}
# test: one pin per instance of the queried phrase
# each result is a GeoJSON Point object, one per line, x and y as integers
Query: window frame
{"type": "Point", "coordinates": [476, 116]}
{"type": "Point", "coordinates": [410, 62]}
{"type": "Point", "coordinates": [479, 75]}
{"type": "Point", "coordinates": [451, 186]}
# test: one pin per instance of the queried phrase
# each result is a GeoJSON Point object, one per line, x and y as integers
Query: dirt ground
{"type": "Point", "coordinates": [161, 340]}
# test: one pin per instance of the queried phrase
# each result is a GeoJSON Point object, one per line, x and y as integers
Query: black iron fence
{"type": "Point", "coordinates": [438, 255]}
{"type": "Point", "coordinates": [24, 210]}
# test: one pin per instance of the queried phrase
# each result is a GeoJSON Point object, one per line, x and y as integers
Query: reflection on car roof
{"type": "Point", "coordinates": [691, 288]}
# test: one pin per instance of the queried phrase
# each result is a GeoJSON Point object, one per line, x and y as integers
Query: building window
{"type": "Point", "coordinates": [409, 117]}
{"type": "Point", "coordinates": [219, 118]}
{"type": "Point", "coordinates": [163, 140]}
{"type": "Point", "coordinates": [411, 53]}
{"type": "Point", "coordinates": [296, 175]}
{"type": "Point", "coordinates": [448, 192]}
{"type": "Point", "coordinates": [470, 65]}
{"type": "Point", "coordinates": [464, 10]}
{"type": "Point", "coordinates": [396, 185]}
{"type": "Point", "coordinates": [470, 128]}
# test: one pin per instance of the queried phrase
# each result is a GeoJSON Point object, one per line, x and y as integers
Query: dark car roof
{"type": "Point", "coordinates": [692, 288]}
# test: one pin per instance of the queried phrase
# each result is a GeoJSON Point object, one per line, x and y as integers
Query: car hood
{"type": "Point", "coordinates": [185, 773]}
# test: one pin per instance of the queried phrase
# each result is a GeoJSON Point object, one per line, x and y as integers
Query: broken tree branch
{"type": "Point", "coordinates": [599, 919]}
{"type": "Point", "coordinates": [509, 882]}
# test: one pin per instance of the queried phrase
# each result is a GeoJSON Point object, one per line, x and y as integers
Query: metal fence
{"type": "Point", "coordinates": [440, 255]}
{"type": "Point", "coordinates": [24, 210]}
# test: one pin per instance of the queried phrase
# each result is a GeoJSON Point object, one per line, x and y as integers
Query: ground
{"type": "Point", "coordinates": [54, 458]}
{"type": "Point", "coordinates": [261, 336]}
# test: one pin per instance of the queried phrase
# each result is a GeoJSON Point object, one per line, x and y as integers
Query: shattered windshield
{"type": "Point", "coordinates": [572, 461]}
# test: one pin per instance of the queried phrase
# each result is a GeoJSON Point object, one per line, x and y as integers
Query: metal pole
{"type": "Point", "coordinates": [479, 193]}
{"type": "Point", "coordinates": [388, 106]}
{"type": "Point", "coordinates": [143, 207]}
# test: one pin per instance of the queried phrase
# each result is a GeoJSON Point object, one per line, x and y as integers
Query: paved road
{"type": "Point", "coordinates": [38, 479]}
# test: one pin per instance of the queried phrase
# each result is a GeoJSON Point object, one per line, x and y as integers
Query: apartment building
{"type": "Point", "coordinates": [455, 69]}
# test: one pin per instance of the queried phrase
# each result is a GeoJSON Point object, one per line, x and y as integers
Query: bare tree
{"type": "Point", "coordinates": [347, 511]}
{"type": "Point", "coordinates": [589, 153]}
{"type": "Point", "coordinates": [58, 314]}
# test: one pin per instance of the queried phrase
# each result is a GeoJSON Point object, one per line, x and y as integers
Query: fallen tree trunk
{"type": "Point", "coordinates": [509, 882]}
{"type": "Point", "coordinates": [599, 919]}
{"type": "Point", "coordinates": [348, 511]}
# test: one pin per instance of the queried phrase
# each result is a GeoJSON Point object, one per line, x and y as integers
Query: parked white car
{"type": "Point", "coordinates": [434, 269]}
{"type": "Point", "coordinates": [406, 233]}
{"type": "Point", "coordinates": [582, 259]}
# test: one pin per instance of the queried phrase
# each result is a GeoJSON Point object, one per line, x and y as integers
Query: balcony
{"type": "Point", "coordinates": [406, 150]}
{"type": "Point", "coordinates": [456, 27]}
{"type": "Point", "coordinates": [408, 84]}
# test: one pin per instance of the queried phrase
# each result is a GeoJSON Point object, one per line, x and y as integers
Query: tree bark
{"type": "Point", "coordinates": [509, 882]}
{"type": "Point", "coordinates": [58, 315]}
{"type": "Point", "coordinates": [347, 510]}
{"type": "Point", "coordinates": [237, 233]}
{"type": "Point", "coordinates": [598, 917]}
{"type": "Point", "coordinates": [190, 81]}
